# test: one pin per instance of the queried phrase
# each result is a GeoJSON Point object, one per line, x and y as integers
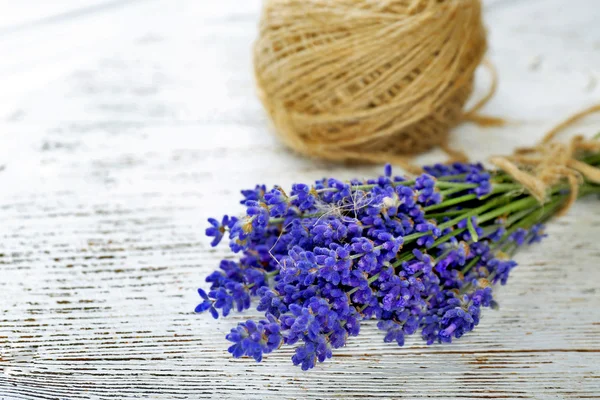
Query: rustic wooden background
{"type": "Point", "coordinates": [125, 124]}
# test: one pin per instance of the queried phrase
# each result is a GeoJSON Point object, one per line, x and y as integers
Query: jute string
{"type": "Point", "coordinates": [369, 81]}
{"type": "Point", "coordinates": [540, 167]}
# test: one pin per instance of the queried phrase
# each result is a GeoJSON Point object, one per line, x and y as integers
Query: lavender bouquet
{"type": "Point", "coordinates": [418, 255]}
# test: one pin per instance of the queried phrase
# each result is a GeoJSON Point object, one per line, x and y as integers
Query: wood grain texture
{"type": "Point", "coordinates": [122, 129]}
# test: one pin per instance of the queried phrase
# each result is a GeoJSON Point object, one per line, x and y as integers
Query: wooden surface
{"type": "Point", "coordinates": [125, 124]}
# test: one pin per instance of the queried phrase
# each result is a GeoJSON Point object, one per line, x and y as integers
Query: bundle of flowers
{"type": "Point", "coordinates": [419, 255]}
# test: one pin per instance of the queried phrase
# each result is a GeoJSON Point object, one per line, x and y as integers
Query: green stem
{"type": "Point", "coordinates": [470, 265]}
{"type": "Point", "coordinates": [449, 192]}
{"type": "Point", "coordinates": [589, 189]}
{"type": "Point", "coordinates": [519, 215]}
{"type": "Point", "coordinates": [496, 188]}
{"type": "Point", "coordinates": [452, 177]}
{"type": "Point", "coordinates": [548, 210]}
{"type": "Point", "coordinates": [447, 185]}
{"type": "Point", "coordinates": [476, 211]}
{"type": "Point", "coordinates": [370, 280]}
{"type": "Point", "coordinates": [515, 206]}
{"type": "Point", "coordinates": [451, 202]}
{"type": "Point", "coordinates": [446, 214]}
{"type": "Point", "coordinates": [472, 230]}
{"type": "Point", "coordinates": [592, 159]}
{"type": "Point", "coordinates": [505, 187]}
{"type": "Point", "coordinates": [409, 255]}
{"type": "Point", "coordinates": [406, 257]}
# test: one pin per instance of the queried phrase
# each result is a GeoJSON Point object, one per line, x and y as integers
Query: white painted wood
{"type": "Point", "coordinates": [123, 129]}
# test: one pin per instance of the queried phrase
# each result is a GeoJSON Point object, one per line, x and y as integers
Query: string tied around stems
{"type": "Point", "coordinates": [540, 167]}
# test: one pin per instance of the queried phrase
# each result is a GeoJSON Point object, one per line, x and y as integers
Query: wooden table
{"type": "Point", "coordinates": [125, 124]}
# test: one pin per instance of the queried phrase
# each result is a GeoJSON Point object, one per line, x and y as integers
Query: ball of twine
{"type": "Point", "coordinates": [367, 80]}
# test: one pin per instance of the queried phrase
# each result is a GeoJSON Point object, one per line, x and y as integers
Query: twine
{"type": "Point", "coordinates": [369, 81]}
{"type": "Point", "coordinates": [540, 167]}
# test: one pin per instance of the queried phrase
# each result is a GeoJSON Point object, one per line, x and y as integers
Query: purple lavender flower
{"type": "Point", "coordinates": [518, 236]}
{"type": "Point", "coordinates": [255, 194]}
{"type": "Point", "coordinates": [206, 304]}
{"type": "Point", "coordinates": [427, 193]}
{"type": "Point", "coordinates": [458, 321]}
{"type": "Point", "coordinates": [217, 229]}
{"type": "Point", "coordinates": [307, 354]}
{"type": "Point", "coordinates": [465, 173]}
{"type": "Point", "coordinates": [255, 339]}
{"type": "Point", "coordinates": [536, 234]}
{"type": "Point", "coordinates": [270, 302]}
{"type": "Point", "coordinates": [306, 198]}
{"type": "Point", "coordinates": [394, 332]}
{"type": "Point", "coordinates": [413, 254]}
{"type": "Point", "coordinates": [277, 202]}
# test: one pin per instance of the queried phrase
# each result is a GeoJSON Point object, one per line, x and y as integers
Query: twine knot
{"type": "Point", "coordinates": [541, 167]}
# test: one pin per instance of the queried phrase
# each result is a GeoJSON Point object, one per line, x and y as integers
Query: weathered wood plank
{"type": "Point", "coordinates": [113, 161]}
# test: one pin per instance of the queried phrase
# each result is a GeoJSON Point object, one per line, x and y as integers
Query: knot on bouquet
{"type": "Point", "coordinates": [541, 167]}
